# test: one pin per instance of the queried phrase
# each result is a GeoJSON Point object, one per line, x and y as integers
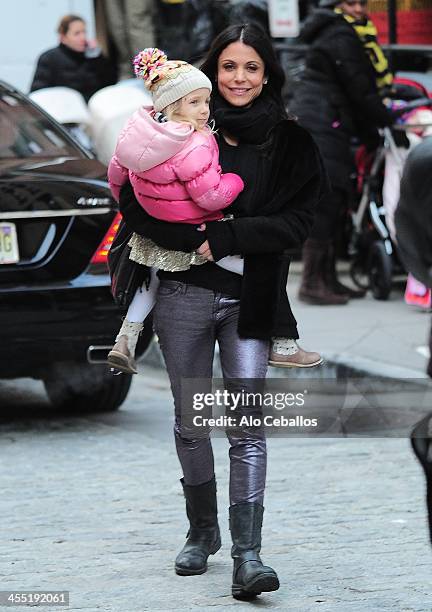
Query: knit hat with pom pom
{"type": "Point", "coordinates": [167, 80]}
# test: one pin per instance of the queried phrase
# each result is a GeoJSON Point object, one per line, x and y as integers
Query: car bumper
{"type": "Point", "coordinates": [47, 324]}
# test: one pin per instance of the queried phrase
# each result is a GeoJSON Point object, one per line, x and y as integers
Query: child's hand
{"type": "Point", "coordinates": [205, 251]}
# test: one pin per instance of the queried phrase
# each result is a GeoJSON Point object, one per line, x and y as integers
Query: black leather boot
{"type": "Point", "coordinates": [203, 537]}
{"type": "Point", "coordinates": [250, 576]}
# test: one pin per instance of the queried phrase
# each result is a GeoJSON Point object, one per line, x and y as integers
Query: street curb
{"type": "Point", "coordinates": [354, 366]}
{"type": "Point", "coordinates": [335, 366]}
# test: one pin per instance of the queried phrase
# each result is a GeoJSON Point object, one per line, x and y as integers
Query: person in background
{"type": "Point", "coordinates": [74, 63]}
{"type": "Point", "coordinates": [338, 98]}
{"type": "Point", "coordinates": [131, 26]}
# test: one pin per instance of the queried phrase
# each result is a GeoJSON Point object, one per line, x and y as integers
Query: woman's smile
{"type": "Point", "coordinates": [239, 91]}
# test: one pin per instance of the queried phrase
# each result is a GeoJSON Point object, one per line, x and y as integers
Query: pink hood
{"type": "Point", "coordinates": [145, 143]}
{"type": "Point", "coordinates": [173, 169]}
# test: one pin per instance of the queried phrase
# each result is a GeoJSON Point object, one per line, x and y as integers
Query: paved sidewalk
{"type": "Point", "coordinates": [93, 506]}
{"type": "Point", "coordinates": [382, 337]}
{"type": "Point", "coordinates": [366, 336]}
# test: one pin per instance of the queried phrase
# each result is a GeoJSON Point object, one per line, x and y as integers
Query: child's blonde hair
{"type": "Point", "coordinates": [172, 113]}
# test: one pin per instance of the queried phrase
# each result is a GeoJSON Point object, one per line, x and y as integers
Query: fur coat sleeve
{"type": "Point", "coordinates": [283, 223]}
{"type": "Point", "coordinates": [285, 220]}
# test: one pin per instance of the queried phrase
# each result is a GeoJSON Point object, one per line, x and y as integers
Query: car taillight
{"type": "Point", "coordinates": [100, 257]}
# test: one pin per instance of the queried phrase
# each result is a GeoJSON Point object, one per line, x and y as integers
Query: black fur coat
{"type": "Point", "coordinates": [281, 224]}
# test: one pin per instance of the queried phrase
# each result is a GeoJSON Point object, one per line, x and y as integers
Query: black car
{"type": "Point", "coordinates": [57, 221]}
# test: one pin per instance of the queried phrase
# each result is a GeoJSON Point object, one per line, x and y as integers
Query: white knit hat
{"type": "Point", "coordinates": [167, 80]}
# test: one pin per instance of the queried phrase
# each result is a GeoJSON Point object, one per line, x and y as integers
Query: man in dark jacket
{"type": "Point", "coordinates": [73, 63]}
{"type": "Point", "coordinates": [338, 98]}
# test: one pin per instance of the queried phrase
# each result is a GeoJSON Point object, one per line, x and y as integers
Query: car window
{"type": "Point", "coordinates": [25, 132]}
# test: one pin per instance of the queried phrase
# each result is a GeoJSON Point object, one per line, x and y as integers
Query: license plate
{"type": "Point", "coordinates": [8, 243]}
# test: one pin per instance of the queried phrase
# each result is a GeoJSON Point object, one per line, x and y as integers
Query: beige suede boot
{"type": "Point", "coordinates": [122, 355]}
{"type": "Point", "coordinates": [286, 353]}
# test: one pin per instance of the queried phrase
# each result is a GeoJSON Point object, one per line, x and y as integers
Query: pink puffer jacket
{"type": "Point", "coordinates": [174, 170]}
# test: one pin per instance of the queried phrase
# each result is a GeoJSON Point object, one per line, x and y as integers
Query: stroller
{"type": "Point", "coordinates": [69, 108]}
{"type": "Point", "coordinates": [375, 263]}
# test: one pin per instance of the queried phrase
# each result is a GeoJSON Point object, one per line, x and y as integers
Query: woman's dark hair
{"type": "Point", "coordinates": [254, 36]}
{"type": "Point", "coordinates": [65, 22]}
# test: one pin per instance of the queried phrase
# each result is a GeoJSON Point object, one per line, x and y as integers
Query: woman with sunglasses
{"type": "Point", "coordinates": [339, 97]}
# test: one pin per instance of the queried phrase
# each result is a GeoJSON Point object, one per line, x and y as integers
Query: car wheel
{"type": "Point", "coordinates": [79, 387]}
{"type": "Point", "coordinates": [380, 271]}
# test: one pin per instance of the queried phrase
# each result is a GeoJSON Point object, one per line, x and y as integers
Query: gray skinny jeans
{"type": "Point", "coordinates": [188, 320]}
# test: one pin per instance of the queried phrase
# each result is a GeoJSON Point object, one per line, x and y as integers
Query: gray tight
{"type": "Point", "coordinates": [188, 320]}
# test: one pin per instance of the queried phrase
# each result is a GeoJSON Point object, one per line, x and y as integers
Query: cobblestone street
{"type": "Point", "coordinates": [94, 507]}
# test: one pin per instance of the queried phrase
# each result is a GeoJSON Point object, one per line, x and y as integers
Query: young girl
{"type": "Point", "coordinates": [171, 158]}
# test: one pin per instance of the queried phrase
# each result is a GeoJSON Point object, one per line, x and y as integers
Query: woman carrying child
{"type": "Point", "coordinates": [283, 182]}
{"type": "Point", "coordinates": [171, 158]}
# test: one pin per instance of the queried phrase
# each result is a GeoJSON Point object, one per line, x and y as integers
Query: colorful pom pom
{"type": "Point", "coordinates": [147, 62]}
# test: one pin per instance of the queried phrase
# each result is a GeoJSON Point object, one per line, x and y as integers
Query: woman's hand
{"type": "Point", "coordinates": [205, 251]}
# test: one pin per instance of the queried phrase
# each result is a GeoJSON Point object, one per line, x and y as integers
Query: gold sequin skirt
{"type": "Point", "coordinates": [145, 252]}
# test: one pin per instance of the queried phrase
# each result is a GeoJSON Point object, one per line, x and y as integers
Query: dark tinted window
{"type": "Point", "coordinates": [24, 132]}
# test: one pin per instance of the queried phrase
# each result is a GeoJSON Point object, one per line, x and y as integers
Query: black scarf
{"type": "Point", "coordinates": [250, 125]}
